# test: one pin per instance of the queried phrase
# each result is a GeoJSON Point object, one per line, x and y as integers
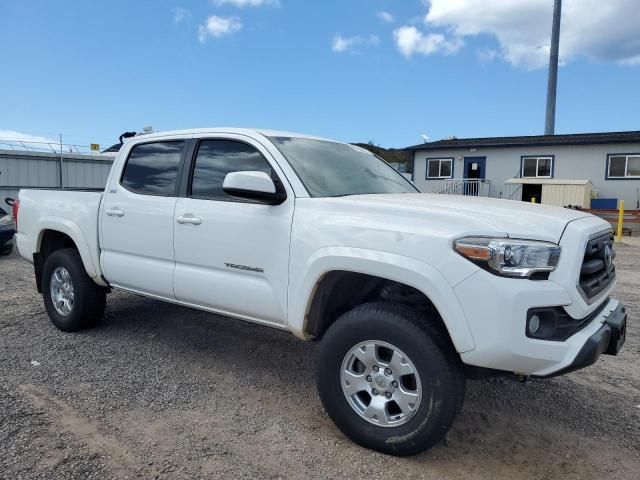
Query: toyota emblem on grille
{"type": "Point", "coordinates": [608, 255]}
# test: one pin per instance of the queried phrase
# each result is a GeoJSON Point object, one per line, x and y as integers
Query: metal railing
{"type": "Point", "coordinates": [45, 147]}
{"type": "Point", "coordinates": [474, 187]}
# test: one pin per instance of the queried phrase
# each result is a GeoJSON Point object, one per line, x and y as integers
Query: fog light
{"type": "Point", "coordinates": [542, 323]}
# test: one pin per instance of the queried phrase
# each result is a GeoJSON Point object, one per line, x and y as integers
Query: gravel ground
{"type": "Point", "coordinates": [159, 391]}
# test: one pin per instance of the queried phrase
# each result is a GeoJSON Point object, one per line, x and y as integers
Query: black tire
{"type": "Point", "coordinates": [430, 350]}
{"type": "Point", "coordinates": [89, 298]}
{"type": "Point", "coordinates": [6, 249]}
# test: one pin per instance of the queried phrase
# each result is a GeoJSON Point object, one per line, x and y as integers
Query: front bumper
{"type": "Point", "coordinates": [608, 340]}
{"type": "Point", "coordinates": [496, 311]}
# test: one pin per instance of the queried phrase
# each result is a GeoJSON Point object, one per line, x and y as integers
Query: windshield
{"type": "Point", "coordinates": [330, 169]}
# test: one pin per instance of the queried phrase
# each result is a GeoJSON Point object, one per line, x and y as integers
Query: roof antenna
{"type": "Point", "coordinates": [425, 138]}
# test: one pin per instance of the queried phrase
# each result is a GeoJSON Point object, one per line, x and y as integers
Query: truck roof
{"type": "Point", "coordinates": [252, 132]}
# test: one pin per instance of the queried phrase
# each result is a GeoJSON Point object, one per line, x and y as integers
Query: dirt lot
{"type": "Point", "coordinates": [159, 391]}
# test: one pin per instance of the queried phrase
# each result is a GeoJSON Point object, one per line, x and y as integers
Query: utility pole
{"type": "Point", "coordinates": [61, 165]}
{"type": "Point", "coordinates": [552, 85]}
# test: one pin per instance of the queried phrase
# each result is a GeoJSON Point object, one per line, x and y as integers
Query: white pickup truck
{"type": "Point", "coordinates": [408, 293]}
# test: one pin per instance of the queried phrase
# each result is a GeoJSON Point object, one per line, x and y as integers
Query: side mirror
{"type": "Point", "coordinates": [253, 186]}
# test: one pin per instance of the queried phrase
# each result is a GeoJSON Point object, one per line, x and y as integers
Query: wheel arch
{"type": "Point", "coordinates": [356, 273]}
{"type": "Point", "coordinates": [57, 233]}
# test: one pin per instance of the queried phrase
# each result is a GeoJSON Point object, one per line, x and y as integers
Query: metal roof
{"type": "Point", "coordinates": [532, 141]}
{"type": "Point", "coordinates": [548, 181]}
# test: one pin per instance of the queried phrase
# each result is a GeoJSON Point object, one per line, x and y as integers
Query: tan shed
{"type": "Point", "coordinates": [557, 192]}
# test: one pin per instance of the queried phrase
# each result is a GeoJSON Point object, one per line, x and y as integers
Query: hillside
{"type": "Point", "coordinates": [391, 155]}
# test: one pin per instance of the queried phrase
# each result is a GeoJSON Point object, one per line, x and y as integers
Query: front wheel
{"type": "Point", "coordinates": [389, 379]}
{"type": "Point", "coordinates": [73, 301]}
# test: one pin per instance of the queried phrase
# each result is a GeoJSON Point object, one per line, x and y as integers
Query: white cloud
{"type": "Point", "coordinates": [595, 29]}
{"type": "Point", "coordinates": [634, 60]}
{"type": "Point", "coordinates": [23, 137]}
{"type": "Point", "coordinates": [180, 14]}
{"type": "Point", "coordinates": [385, 17]}
{"type": "Point", "coordinates": [486, 55]}
{"type": "Point", "coordinates": [342, 44]}
{"type": "Point", "coordinates": [410, 41]}
{"type": "Point", "coordinates": [35, 142]}
{"type": "Point", "coordinates": [247, 3]}
{"type": "Point", "coordinates": [218, 26]}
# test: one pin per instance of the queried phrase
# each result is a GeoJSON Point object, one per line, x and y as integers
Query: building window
{"type": "Point", "coordinates": [439, 168]}
{"type": "Point", "coordinates": [537, 167]}
{"type": "Point", "coordinates": [623, 165]}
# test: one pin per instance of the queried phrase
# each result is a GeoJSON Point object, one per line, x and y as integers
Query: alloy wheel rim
{"type": "Point", "coordinates": [381, 383]}
{"type": "Point", "coordinates": [62, 294]}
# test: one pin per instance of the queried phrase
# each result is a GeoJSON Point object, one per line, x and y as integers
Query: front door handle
{"type": "Point", "coordinates": [115, 212]}
{"type": "Point", "coordinates": [190, 219]}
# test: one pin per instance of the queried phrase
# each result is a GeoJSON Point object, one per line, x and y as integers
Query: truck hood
{"type": "Point", "coordinates": [462, 215]}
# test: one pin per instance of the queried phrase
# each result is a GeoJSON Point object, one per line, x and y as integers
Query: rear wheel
{"type": "Point", "coordinates": [73, 301]}
{"type": "Point", "coordinates": [389, 379]}
{"type": "Point", "coordinates": [6, 249]}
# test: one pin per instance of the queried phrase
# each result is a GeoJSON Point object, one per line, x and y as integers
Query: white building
{"type": "Point", "coordinates": [588, 165]}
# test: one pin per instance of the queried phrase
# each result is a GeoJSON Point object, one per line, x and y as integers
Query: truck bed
{"type": "Point", "coordinates": [76, 210]}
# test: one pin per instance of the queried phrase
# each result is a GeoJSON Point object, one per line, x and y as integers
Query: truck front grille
{"type": "Point", "coordinates": [597, 270]}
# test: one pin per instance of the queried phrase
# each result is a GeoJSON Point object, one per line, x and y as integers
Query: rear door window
{"type": "Point", "coordinates": [152, 168]}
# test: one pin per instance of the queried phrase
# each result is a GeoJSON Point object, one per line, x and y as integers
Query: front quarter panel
{"type": "Point", "coordinates": [325, 240]}
{"type": "Point", "coordinates": [385, 265]}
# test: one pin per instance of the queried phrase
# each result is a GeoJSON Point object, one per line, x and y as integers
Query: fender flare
{"type": "Point", "coordinates": [70, 229]}
{"type": "Point", "coordinates": [391, 266]}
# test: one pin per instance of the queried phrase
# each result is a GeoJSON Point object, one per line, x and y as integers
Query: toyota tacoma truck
{"type": "Point", "coordinates": [409, 294]}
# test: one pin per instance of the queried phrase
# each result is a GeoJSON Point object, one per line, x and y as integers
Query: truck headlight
{"type": "Point", "coordinates": [509, 257]}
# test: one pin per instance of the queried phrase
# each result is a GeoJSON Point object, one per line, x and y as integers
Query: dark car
{"type": "Point", "coordinates": [6, 235]}
{"type": "Point", "coordinates": [6, 230]}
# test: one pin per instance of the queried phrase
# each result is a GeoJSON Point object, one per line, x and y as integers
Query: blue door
{"type": "Point", "coordinates": [474, 172]}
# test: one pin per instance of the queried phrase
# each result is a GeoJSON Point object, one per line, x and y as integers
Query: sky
{"type": "Point", "coordinates": [385, 71]}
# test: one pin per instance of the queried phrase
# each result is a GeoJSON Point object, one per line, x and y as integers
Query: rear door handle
{"type": "Point", "coordinates": [115, 212]}
{"type": "Point", "coordinates": [190, 219]}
